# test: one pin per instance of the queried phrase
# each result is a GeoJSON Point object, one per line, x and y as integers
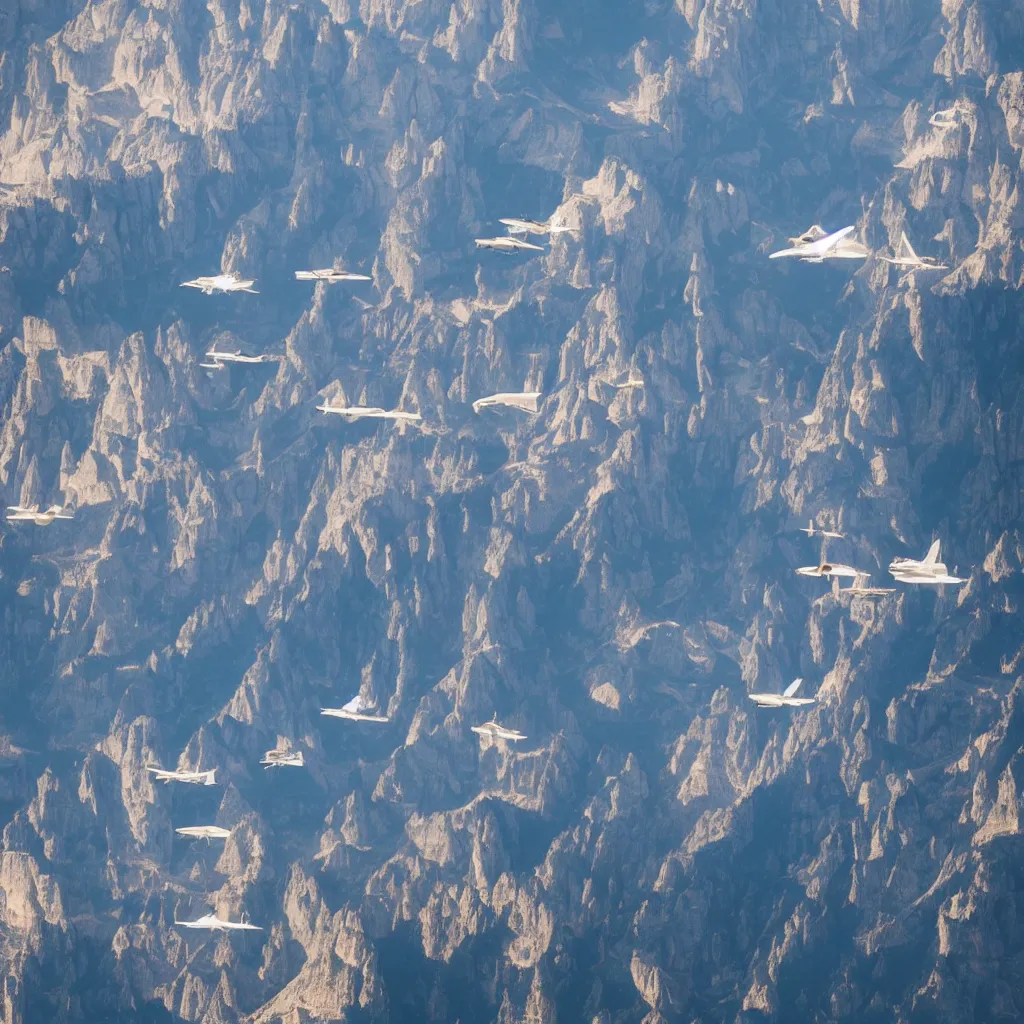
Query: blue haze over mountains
{"type": "Point", "coordinates": [654, 851]}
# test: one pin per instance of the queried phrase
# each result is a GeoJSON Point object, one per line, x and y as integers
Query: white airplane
{"type": "Point", "coordinates": [19, 514]}
{"type": "Point", "coordinates": [357, 412]}
{"type": "Point", "coordinates": [830, 569]}
{"type": "Point", "coordinates": [928, 570]}
{"type": "Point", "coordinates": [219, 358]}
{"type": "Point", "coordinates": [354, 710]}
{"type": "Point", "coordinates": [330, 276]}
{"type": "Point", "coordinates": [859, 586]}
{"type": "Point", "coordinates": [283, 759]}
{"type": "Point", "coordinates": [906, 257]}
{"type": "Point", "coordinates": [847, 248]}
{"type": "Point", "coordinates": [214, 923]}
{"type": "Point", "coordinates": [508, 244]}
{"type": "Point", "coordinates": [811, 531]}
{"type": "Point", "coordinates": [221, 283]}
{"type": "Point", "coordinates": [497, 732]}
{"type": "Point", "coordinates": [823, 246]}
{"type": "Point", "coordinates": [197, 778]}
{"type": "Point", "coordinates": [786, 699]}
{"type": "Point", "coordinates": [206, 832]}
{"type": "Point", "coordinates": [527, 401]}
{"type": "Point", "coordinates": [944, 118]}
{"type": "Point", "coordinates": [517, 226]}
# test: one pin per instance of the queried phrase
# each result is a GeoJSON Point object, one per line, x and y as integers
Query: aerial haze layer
{"type": "Point", "coordinates": [608, 577]}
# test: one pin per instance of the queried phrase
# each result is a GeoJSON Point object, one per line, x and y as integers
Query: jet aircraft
{"type": "Point", "coordinates": [214, 923]}
{"type": "Point", "coordinates": [230, 282]}
{"type": "Point", "coordinates": [823, 246]}
{"type": "Point", "coordinates": [206, 832]}
{"type": "Point", "coordinates": [517, 226]}
{"type": "Point", "coordinates": [507, 244]}
{"type": "Point", "coordinates": [928, 570]}
{"type": "Point", "coordinates": [906, 257]}
{"type": "Point", "coordinates": [357, 412]}
{"type": "Point", "coordinates": [354, 710]}
{"type": "Point", "coordinates": [497, 732]}
{"type": "Point", "coordinates": [283, 759]}
{"type": "Point", "coordinates": [527, 401]}
{"type": "Point", "coordinates": [221, 358]}
{"type": "Point", "coordinates": [845, 249]}
{"type": "Point", "coordinates": [786, 699]}
{"type": "Point", "coordinates": [20, 514]}
{"type": "Point", "coordinates": [830, 569]}
{"type": "Point", "coordinates": [330, 276]}
{"type": "Point", "coordinates": [811, 531]}
{"type": "Point", "coordinates": [859, 586]}
{"type": "Point", "coordinates": [197, 778]}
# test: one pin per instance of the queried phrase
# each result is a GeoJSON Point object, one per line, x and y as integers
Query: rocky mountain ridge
{"type": "Point", "coordinates": [611, 577]}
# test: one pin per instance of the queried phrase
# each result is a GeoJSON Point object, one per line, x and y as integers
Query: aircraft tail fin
{"type": "Point", "coordinates": [790, 690]}
{"type": "Point", "coordinates": [906, 248]}
{"type": "Point", "coordinates": [933, 554]}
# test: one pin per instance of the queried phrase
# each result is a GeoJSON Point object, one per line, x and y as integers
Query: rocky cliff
{"type": "Point", "coordinates": [611, 576]}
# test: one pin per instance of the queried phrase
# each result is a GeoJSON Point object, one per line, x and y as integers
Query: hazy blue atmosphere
{"type": "Point", "coordinates": [604, 581]}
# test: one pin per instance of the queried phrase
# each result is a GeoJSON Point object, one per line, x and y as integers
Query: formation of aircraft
{"type": "Point", "coordinates": [231, 282]}
{"type": "Point", "coordinates": [786, 699]}
{"type": "Point", "coordinates": [357, 412]}
{"type": "Point", "coordinates": [206, 832]}
{"type": "Point", "coordinates": [211, 922]}
{"type": "Point", "coordinates": [906, 257]}
{"type": "Point", "coordinates": [356, 709]}
{"type": "Point", "coordinates": [497, 732]}
{"type": "Point", "coordinates": [196, 778]}
{"type": "Point", "coordinates": [812, 531]}
{"type": "Point", "coordinates": [527, 401]}
{"type": "Point", "coordinates": [20, 514]}
{"type": "Point", "coordinates": [814, 246]}
{"type": "Point", "coordinates": [330, 276]}
{"type": "Point", "coordinates": [507, 243]}
{"type": "Point", "coordinates": [283, 759]}
{"type": "Point", "coordinates": [830, 569]}
{"type": "Point", "coordinates": [221, 359]}
{"type": "Point", "coordinates": [928, 570]}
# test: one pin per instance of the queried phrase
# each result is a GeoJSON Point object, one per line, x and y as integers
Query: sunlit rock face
{"type": "Point", "coordinates": [606, 572]}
